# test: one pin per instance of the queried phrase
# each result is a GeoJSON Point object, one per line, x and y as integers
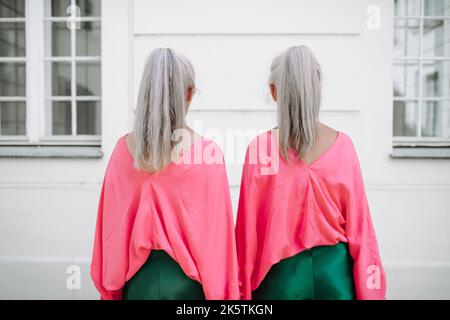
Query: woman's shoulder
{"type": "Point", "coordinates": [346, 140]}
{"type": "Point", "coordinates": [204, 150]}
{"type": "Point", "coordinates": [120, 154]}
{"type": "Point", "coordinates": [263, 138]}
{"type": "Point", "coordinates": [206, 142]}
{"type": "Point", "coordinates": [124, 147]}
{"type": "Point", "coordinates": [192, 140]}
{"type": "Point", "coordinates": [346, 151]}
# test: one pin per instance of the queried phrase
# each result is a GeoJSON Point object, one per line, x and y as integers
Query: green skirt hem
{"type": "Point", "coordinates": [322, 273]}
{"type": "Point", "coordinates": [161, 278]}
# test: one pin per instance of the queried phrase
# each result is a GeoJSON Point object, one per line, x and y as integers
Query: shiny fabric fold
{"type": "Point", "coordinates": [286, 207]}
{"type": "Point", "coordinates": [319, 273]}
{"type": "Point", "coordinates": [184, 209]}
{"type": "Point", "coordinates": [161, 278]}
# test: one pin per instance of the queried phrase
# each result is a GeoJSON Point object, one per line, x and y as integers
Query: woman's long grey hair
{"type": "Point", "coordinates": [161, 107]}
{"type": "Point", "coordinates": [296, 75]}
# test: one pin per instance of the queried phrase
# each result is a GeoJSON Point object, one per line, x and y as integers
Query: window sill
{"type": "Point", "coordinates": [420, 152]}
{"type": "Point", "coordinates": [46, 151]}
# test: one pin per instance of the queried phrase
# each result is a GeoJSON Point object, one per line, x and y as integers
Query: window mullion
{"type": "Point", "coordinates": [419, 104]}
{"type": "Point", "coordinates": [73, 70]}
{"type": "Point", "coordinates": [34, 67]}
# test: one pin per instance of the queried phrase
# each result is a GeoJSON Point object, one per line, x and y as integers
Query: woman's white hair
{"type": "Point", "coordinates": [296, 75]}
{"type": "Point", "coordinates": [161, 107]}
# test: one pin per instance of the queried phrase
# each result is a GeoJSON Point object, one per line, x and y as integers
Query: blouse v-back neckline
{"type": "Point", "coordinates": [328, 150]}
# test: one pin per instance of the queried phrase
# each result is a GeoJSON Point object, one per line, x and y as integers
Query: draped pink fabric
{"type": "Point", "coordinates": [289, 207]}
{"type": "Point", "coordinates": [184, 209]}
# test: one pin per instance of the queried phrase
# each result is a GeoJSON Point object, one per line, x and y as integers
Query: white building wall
{"type": "Point", "coordinates": [48, 206]}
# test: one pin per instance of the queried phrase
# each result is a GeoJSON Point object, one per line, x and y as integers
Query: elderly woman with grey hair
{"type": "Point", "coordinates": [165, 224]}
{"type": "Point", "coordinates": [304, 229]}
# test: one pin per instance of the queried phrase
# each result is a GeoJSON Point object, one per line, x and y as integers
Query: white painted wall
{"type": "Point", "coordinates": [48, 206]}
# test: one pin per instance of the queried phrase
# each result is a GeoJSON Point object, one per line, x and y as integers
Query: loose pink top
{"type": "Point", "coordinates": [184, 209]}
{"type": "Point", "coordinates": [287, 207]}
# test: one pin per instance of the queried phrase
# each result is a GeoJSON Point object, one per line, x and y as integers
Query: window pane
{"type": "Point", "coordinates": [405, 118]}
{"type": "Point", "coordinates": [88, 117]}
{"type": "Point", "coordinates": [57, 37]}
{"type": "Point", "coordinates": [12, 79]}
{"type": "Point", "coordinates": [60, 78]}
{"type": "Point", "coordinates": [436, 119]}
{"type": "Point", "coordinates": [12, 8]}
{"type": "Point", "coordinates": [407, 7]}
{"type": "Point", "coordinates": [12, 39]}
{"type": "Point", "coordinates": [88, 39]}
{"type": "Point", "coordinates": [436, 7]}
{"type": "Point", "coordinates": [61, 118]}
{"type": "Point", "coordinates": [86, 74]}
{"type": "Point", "coordinates": [436, 38]}
{"type": "Point", "coordinates": [89, 7]}
{"type": "Point", "coordinates": [406, 79]}
{"type": "Point", "coordinates": [88, 79]}
{"type": "Point", "coordinates": [59, 8]}
{"type": "Point", "coordinates": [406, 38]}
{"type": "Point", "coordinates": [12, 118]}
{"type": "Point", "coordinates": [436, 79]}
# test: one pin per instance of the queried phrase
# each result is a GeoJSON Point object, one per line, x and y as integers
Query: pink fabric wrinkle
{"type": "Point", "coordinates": [141, 212]}
{"type": "Point", "coordinates": [330, 207]}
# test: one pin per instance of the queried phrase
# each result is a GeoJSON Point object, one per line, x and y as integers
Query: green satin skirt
{"type": "Point", "coordinates": [323, 273]}
{"type": "Point", "coordinates": [161, 278]}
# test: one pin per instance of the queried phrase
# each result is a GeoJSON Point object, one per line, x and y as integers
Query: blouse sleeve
{"type": "Point", "coordinates": [196, 228]}
{"type": "Point", "coordinates": [369, 275]}
{"type": "Point", "coordinates": [97, 258]}
{"type": "Point", "coordinates": [217, 262]}
{"type": "Point", "coordinates": [110, 256]}
{"type": "Point", "coordinates": [246, 230]}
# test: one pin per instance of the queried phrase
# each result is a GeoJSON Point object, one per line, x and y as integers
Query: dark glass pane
{"type": "Point", "coordinates": [436, 7]}
{"type": "Point", "coordinates": [12, 79]}
{"type": "Point", "coordinates": [60, 79]}
{"type": "Point", "coordinates": [436, 79]}
{"type": "Point", "coordinates": [90, 8]}
{"type": "Point", "coordinates": [89, 39]}
{"type": "Point", "coordinates": [436, 40]}
{"type": "Point", "coordinates": [61, 118]}
{"type": "Point", "coordinates": [12, 8]}
{"type": "Point", "coordinates": [406, 38]}
{"type": "Point", "coordinates": [88, 117]}
{"type": "Point", "coordinates": [405, 118]}
{"type": "Point", "coordinates": [436, 119]}
{"type": "Point", "coordinates": [59, 8]}
{"type": "Point", "coordinates": [88, 79]}
{"type": "Point", "coordinates": [57, 38]}
{"type": "Point", "coordinates": [406, 79]}
{"type": "Point", "coordinates": [13, 118]}
{"type": "Point", "coordinates": [12, 39]}
{"type": "Point", "coordinates": [407, 7]}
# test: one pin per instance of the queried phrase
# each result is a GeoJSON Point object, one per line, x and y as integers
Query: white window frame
{"type": "Point", "coordinates": [35, 99]}
{"type": "Point", "coordinates": [418, 140]}
{"type": "Point", "coordinates": [16, 59]}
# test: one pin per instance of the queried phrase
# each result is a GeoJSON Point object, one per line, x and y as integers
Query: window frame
{"type": "Point", "coordinates": [419, 140]}
{"type": "Point", "coordinates": [36, 78]}
{"type": "Point", "coordinates": [15, 59]}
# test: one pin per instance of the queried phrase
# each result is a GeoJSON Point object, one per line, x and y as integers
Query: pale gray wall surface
{"type": "Point", "coordinates": [48, 206]}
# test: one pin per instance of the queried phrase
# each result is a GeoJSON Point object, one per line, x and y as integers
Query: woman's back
{"type": "Point", "coordinates": [164, 195]}
{"type": "Point", "coordinates": [183, 209]}
{"type": "Point", "coordinates": [301, 204]}
{"type": "Point", "coordinates": [326, 137]}
{"type": "Point", "coordinates": [302, 189]}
